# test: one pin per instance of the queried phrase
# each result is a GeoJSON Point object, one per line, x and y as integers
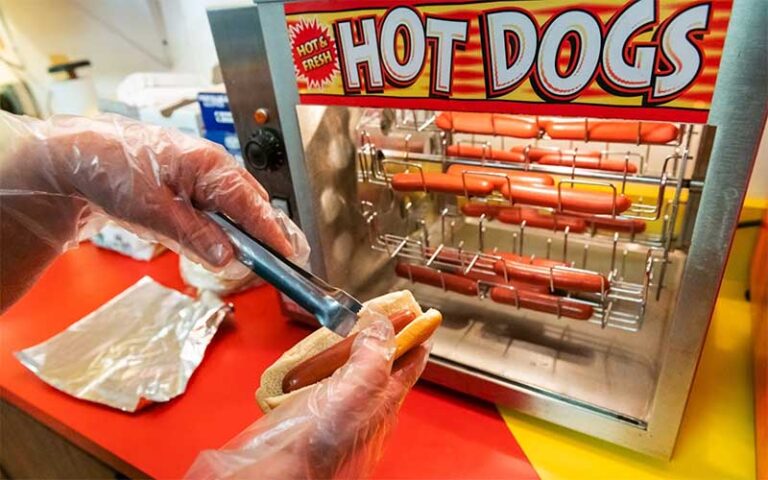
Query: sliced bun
{"type": "Point", "coordinates": [417, 332]}
{"type": "Point", "coordinates": [270, 393]}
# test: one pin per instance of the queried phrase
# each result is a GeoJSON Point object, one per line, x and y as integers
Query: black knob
{"type": "Point", "coordinates": [265, 150]}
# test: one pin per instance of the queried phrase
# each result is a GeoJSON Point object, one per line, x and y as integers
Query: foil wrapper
{"type": "Point", "coordinates": [140, 347]}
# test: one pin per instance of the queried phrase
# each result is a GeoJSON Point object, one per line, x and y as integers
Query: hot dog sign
{"type": "Point", "coordinates": [641, 59]}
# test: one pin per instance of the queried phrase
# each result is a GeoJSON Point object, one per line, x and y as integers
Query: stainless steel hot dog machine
{"type": "Point", "coordinates": [560, 182]}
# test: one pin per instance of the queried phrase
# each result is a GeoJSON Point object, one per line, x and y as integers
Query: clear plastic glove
{"type": "Point", "coordinates": [336, 429]}
{"type": "Point", "coordinates": [59, 178]}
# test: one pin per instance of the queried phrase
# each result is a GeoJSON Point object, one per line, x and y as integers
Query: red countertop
{"type": "Point", "coordinates": [440, 434]}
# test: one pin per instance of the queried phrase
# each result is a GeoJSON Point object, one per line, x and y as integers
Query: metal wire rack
{"type": "Point", "coordinates": [620, 303]}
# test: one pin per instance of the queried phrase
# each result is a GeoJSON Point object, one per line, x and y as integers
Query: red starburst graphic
{"type": "Point", "coordinates": [314, 53]}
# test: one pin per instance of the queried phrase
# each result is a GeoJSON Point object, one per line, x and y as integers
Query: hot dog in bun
{"type": "Point", "coordinates": [322, 352]}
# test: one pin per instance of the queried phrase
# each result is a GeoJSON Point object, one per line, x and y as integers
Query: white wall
{"type": "Point", "coordinates": [118, 36]}
{"type": "Point", "coordinates": [189, 34]}
{"type": "Point", "coordinates": [6, 74]}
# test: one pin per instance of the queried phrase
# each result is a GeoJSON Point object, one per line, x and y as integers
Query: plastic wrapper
{"type": "Point", "coordinates": [140, 347]}
{"type": "Point", "coordinates": [336, 429]}
{"type": "Point", "coordinates": [234, 279]}
{"type": "Point", "coordinates": [61, 178]}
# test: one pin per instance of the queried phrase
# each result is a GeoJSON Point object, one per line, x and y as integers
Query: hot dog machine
{"type": "Point", "coordinates": [576, 259]}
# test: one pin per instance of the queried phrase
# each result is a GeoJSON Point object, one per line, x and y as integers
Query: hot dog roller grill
{"type": "Point", "coordinates": [586, 304]}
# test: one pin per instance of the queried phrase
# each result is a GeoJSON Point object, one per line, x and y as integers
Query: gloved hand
{"type": "Point", "coordinates": [60, 177]}
{"type": "Point", "coordinates": [336, 429]}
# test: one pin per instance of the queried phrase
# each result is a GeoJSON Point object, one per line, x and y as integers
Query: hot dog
{"type": "Point", "coordinates": [545, 275]}
{"type": "Point", "coordinates": [441, 183]}
{"type": "Point", "coordinates": [617, 224]}
{"type": "Point", "coordinates": [430, 276]}
{"type": "Point", "coordinates": [472, 151]}
{"type": "Point", "coordinates": [543, 120]}
{"type": "Point", "coordinates": [411, 332]}
{"type": "Point", "coordinates": [612, 131]}
{"type": "Point", "coordinates": [528, 178]}
{"type": "Point", "coordinates": [486, 264]}
{"type": "Point", "coordinates": [593, 163]}
{"type": "Point", "coordinates": [540, 262]}
{"type": "Point", "coordinates": [323, 364]}
{"type": "Point", "coordinates": [542, 302]}
{"type": "Point", "coordinates": [495, 278]}
{"type": "Point", "coordinates": [487, 124]}
{"type": "Point", "coordinates": [532, 218]}
{"type": "Point", "coordinates": [528, 298]}
{"type": "Point", "coordinates": [458, 281]}
{"type": "Point", "coordinates": [295, 370]}
{"type": "Point", "coordinates": [474, 209]}
{"type": "Point", "coordinates": [481, 270]}
{"type": "Point", "coordinates": [452, 256]}
{"type": "Point", "coordinates": [577, 222]}
{"type": "Point", "coordinates": [536, 153]}
{"type": "Point", "coordinates": [568, 198]}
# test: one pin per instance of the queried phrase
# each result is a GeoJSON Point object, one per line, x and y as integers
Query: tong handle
{"type": "Point", "coordinates": [300, 286]}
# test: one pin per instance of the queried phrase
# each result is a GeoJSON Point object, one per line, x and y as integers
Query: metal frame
{"type": "Point", "coordinates": [253, 49]}
{"type": "Point", "coordinates": [738, 111]}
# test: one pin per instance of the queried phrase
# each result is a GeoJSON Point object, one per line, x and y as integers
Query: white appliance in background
{"type": "Point", "coordinates": [73, 95]}
{"type": "Point", "coordinates": [165, 99]}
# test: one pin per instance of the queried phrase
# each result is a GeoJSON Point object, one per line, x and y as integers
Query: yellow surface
{"type": "Point", "coordinates": [716, 439]}
{"type": "Point", "coordinates": [756, 203]}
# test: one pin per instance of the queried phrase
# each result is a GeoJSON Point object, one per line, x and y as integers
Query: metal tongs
{"type": "Point", "coordinates": [334, 308]}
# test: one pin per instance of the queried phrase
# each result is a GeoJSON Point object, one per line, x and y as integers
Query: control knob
{"type": "Point", "coordinates": [265, 150]}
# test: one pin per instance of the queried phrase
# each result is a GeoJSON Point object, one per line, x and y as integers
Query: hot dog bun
{"type": "Point", "coordinates": [270, 393]}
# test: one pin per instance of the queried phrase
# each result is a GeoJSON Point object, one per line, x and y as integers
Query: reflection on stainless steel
{"type": "Point", "coordinates": [624, 374]}
{"type": "Point", "coordinates": [142, 346]}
